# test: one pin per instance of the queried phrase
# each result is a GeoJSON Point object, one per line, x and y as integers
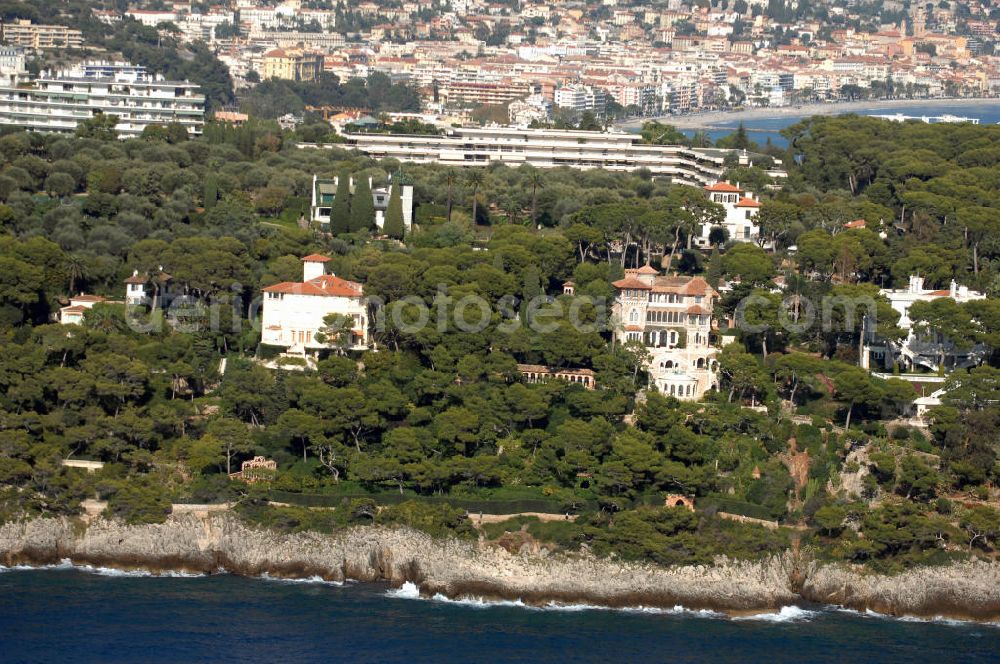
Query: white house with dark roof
{"type": "Point", "coordinates": [741, 208]}
{"type": "Point", "coordinates": [146, 289]}
{"type": "Point", "coordinates": [294, 311]}
{"type": "Point", "coordinates": [324, 192]}
{"type": "Point", "coordinates": [672, 317]}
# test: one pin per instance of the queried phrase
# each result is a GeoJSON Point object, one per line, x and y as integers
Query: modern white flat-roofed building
{"type": "Point", "coordinates": [293, 312]}
{"type": "Point", "coordinates": [545, 148]}
{"type": "Point", "coordinates": [60, 102]}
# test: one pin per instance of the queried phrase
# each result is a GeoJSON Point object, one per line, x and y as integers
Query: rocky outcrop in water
{"type": "Point", "coordinates": [461, 569]}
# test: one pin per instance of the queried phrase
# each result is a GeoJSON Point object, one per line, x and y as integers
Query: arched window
{"type": "Point", "coordinates": [634, 316]}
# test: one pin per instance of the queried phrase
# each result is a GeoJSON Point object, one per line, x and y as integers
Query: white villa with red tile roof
{"type": "Point", "coordinates": [741, 209]}
{"type": "Point", "coordinates": [72, 314]}
{"type": "Point", "coordinates": [293, 312]}
{"type": "Point", "coordinates": [672, 317]}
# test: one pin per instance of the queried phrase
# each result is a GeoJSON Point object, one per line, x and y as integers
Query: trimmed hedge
{"type": "Point", "coordinates": [733, 506]}
{"type": "Point", "coordinates": [469, 504]}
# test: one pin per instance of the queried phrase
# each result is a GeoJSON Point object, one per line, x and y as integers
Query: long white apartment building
{"type": "Point", "coordinates": [545, 148]}
{"type": "Point", "coordinates": [59, 102]}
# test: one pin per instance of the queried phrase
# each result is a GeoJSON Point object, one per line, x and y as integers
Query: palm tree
{"type": "Point", "coordinates": [512, 207]}
{"type": "Point", "coordinates": [76, 270]}
{"type": "Point", "coordinates": [475, 178]}
{"type": "Point", "coordinates": [450, 180]}
{"type": "Point", "coordinates": [536, 182]}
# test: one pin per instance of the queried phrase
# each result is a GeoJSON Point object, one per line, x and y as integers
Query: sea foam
{"type": "Point", "coordinates": [410, 590]}
{"type": "Point", "coordinates": [785, 614]}
{"type": "Point", "coordinates": [309, 580]}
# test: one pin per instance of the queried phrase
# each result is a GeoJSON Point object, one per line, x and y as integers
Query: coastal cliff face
{"type": "Point", "coordinates": [969, 590]}
{"type": "Point", "coordinates": [456, 569]}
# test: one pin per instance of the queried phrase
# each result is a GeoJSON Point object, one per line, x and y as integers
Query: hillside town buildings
{"type": "Point", "coordinates": [24, 33]}
{"type": "Point", "coordinates": [671, 316]}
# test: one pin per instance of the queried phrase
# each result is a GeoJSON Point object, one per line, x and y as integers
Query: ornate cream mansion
{"type": "Point", "coordinates": [672, 317]}
{"type": "Point", "coordinates": [293, 312]}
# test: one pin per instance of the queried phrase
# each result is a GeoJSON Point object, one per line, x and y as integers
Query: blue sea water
{"type": "Point", "coordinates": [66, 615]}
{"type": "Point", "coordinates": [760, 130]}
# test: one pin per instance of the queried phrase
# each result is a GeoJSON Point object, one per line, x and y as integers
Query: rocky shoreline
{"type": "Point", "coordinates": [458, 569]}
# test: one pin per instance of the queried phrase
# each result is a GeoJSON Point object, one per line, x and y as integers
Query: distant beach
{"type": "Point", "coordinates": [712, 119]}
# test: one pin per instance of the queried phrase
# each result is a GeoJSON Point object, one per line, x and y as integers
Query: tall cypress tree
{"type": "Point", "coordinates": [340, 212]}
{"type": "Point", "coordinates": [362, 207]}
{"type": "Point", "coordinates": [394, 226]}
{"type": "Point", "coordinates": [714, 272]}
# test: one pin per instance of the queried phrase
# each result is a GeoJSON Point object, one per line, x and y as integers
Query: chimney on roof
{"type": "Point", "coordinates": [313, 267]}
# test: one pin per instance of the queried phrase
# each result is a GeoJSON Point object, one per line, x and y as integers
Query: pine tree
{"type": "Point", "coordinates": [340, 212]}
{"type": "Point", "coordinates": [362, 207]}
{"type": "Point", "coordinates": [210, 192]}
{"type": "Point", "coordinates": [394, 226]}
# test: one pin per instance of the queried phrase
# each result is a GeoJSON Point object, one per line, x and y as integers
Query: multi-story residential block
{"type": "Point", "coordinates": [324, 192]}
{"type": "Point", "coordinates": [33, 35]}
{"type": "Point", "coordinates": [672, 317]}
{"type": "Point", "coordinates": [486, 92]}
{"type": "Point", "coordinates": [294, 312]}
{"type": "Point", "coordinates": [292, 65]}
{"type": "Point", "coordinates": [926, 350]}
{"type": "Point", "coordinates": [741, 208]}
{"type": "Point", "coordinates": [545, 148]}
{"type": "Point", "coordinates": [60, 102]}
{"type": "Point", "coordinates": [11, 61]}
{"type": "Point", "coordinates": [582, 98]}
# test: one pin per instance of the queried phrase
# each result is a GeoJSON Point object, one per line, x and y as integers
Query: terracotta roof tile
{"type": "Point", "coordinates": [724, 187]}
{"type": "Point", "coordinates": [323, 286]}
{"type": "Point", "coordinates": [633, 284]}
{"type": "Point", "coordinates": [316, 258]}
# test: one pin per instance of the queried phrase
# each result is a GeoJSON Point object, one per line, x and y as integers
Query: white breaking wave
{"type": "Point", "coordinates": [408, 590]}
{"type": "Point", "coordinates": [67, 564]}
{"type": "Point", "coordinates": [309, 579]}
{"type": "Point", "coordinates": [786, 614]}
{"type": "Point", "coordinates": [479, 603]}
{"type": "Point", "coordinates": [941, 620]}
